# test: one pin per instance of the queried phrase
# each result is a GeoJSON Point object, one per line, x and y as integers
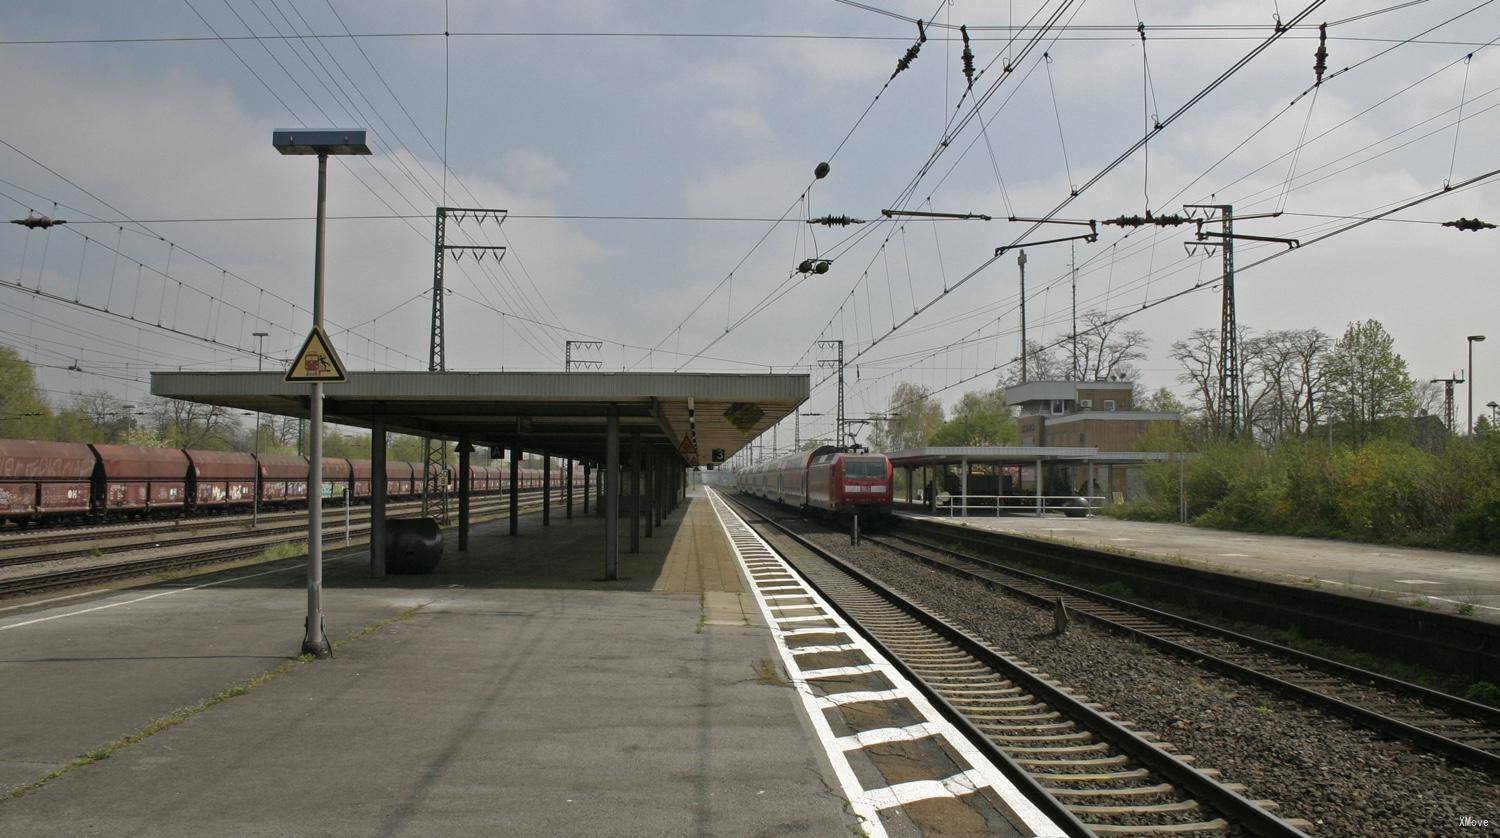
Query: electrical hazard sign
{"type": "Point", "coordinates": [316, 362]}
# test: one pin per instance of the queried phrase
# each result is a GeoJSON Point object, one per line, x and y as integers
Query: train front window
{"type": "Point", "coordinates": [864, 468]}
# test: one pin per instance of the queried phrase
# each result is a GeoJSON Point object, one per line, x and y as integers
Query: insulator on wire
{"type": "Point", "coordinates": [813, 266]}
{"type": "Point", "coordinates": [835, 220]}
{"type": "Point", "coordinates": [1320, 58]}
{"type": "Point", "coordinates": [911, 51]}
{"type": "Point", "coordinates": [1470, 224]}
{"type": "Point", "coordinates": [968, 56]}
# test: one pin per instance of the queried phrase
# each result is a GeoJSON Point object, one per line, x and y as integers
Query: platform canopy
{"type": "Point", "coordinates": [1018, 454]}
{"type": "Point", "coordinates": [698, 415]}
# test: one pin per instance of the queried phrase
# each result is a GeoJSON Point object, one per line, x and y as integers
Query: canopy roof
{"type": "Point", "coordinates": [560, 413]}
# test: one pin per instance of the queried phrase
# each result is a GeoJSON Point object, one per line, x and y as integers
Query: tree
{"type": "Point", "coordinates": [1367, 380]}
{"type": "Point", "coordinates": [97, 416]}
{"type": "Point", "coordinates": [1282, 382]}
{"type": "Point", "coordinates": [914, 416]}
{"type": "Point", "coordinates": [979, 418]}
{"type": "Point", "coordinates": [184, 424]}
{"type": "Point", "coordinates": [1163, 401]}
{"type": "Point", "coordinates": [23, 412]}
{"type": "Point", "coordinates": [1104, 352]}
{"type": "Point", "coordinates": [1198, 354]}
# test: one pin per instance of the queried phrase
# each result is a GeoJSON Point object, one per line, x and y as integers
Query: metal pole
{"type": "Point", "coordinates": [515, 482]}
{"type": "Point", "coordinates": [1039, 485]}
{"type": "Point", "coordinates": [346, 516]}
{"type": "Point", "coordinates": [650, 493]}
{"type": "Point", "coordinates": [546, 489]}
{"type": "Point", "coordinates": [1021, 262]}
{"type": "Point", "coordinates": [585, 488]}
{"type": "Point", "coordinates": [314, 639]}
{"type": "Point", "coordinates": [464, 449]}
{"type": "Point", "coordinates": [635, 492]}
{"type": "Point", "coordinates": [1471, 384]}
{"type": "Point", "coordinates": [260, 356]}
{"type": "Point", "coordinates": [611, 485]}
{"type": "Point", "coordinates": [963, 484]}
{"type": "Point", "coordinates": [1182, 486]}
{"type": "Point", "coordinates": [378, 489]}
{"type": "Point", "coordinates": [569, 514]}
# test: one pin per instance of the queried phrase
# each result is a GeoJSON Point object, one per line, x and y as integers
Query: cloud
{"type": "Point", "coordinates": [532, 172]}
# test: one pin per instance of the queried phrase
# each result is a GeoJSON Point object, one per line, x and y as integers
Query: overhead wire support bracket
{"type": "Point", "coordinates": [957, 216]}
{"type": "Point", "coordinates": [1203, 235]}
{"type": "Point", "coordinates": [1086, 237]}
{"type": "Point", "coordinates": [1090, 223]}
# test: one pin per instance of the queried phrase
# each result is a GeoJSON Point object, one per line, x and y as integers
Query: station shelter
{"type": "Point", "coordinates": [993, 479]}
{"type": "Point", "coordinates": [665, 423]}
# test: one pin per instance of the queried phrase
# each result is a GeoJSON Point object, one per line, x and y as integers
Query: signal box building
{"type": "Point", "coordinates": [1096, 414]}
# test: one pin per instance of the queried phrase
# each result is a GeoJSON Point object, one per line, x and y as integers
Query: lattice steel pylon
{"type": "Point", "coordinates": [1229, 343]}
{"type": "Point", "coordinates": [1456, 378]}
{"type": "Point", "coordinates": [594, 346]}
{"type": "Point", "coordinates": [836, 362]}
{"type": "Point", "coordinates": [435, 457]}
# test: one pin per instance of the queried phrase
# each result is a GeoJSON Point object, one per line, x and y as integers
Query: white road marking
{"type": "Point", "coordinates": [1414, 582]}
{"type": "Point", "coordinates": [1235, 555]}
{"type": "Point", "coordinates": [81, 611]}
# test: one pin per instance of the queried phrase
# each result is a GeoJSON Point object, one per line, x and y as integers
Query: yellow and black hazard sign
{"type": "Point", "coordinates": [316, 362]}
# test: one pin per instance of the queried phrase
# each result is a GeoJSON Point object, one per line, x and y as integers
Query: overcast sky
{"type": "Point", "coordinates": [547, 122]}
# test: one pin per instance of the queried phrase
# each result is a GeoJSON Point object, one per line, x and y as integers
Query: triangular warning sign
{"type": "Point", "coordinates": [687, 448]}
{"type": "Point", "coordinates": [316, 362]}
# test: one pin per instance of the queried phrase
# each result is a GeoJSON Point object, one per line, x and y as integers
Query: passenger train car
{"type": "Point", "coordinates": [828, 479]}
{"type": "Point", "coordinates": [43, 482]}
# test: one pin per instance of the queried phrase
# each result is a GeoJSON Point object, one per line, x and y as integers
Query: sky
{"type": "Point", "coordinates": [657, 164]}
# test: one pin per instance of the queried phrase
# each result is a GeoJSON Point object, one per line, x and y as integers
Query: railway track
{"type": "Point", "coordinates": [17, 540]}
{"type": "Point", "coordinates": [1107, 777]}
{"type": "Point", "coordinates": [227, 550]}
{"type": "Point", "coordinates": [65, 546]}
{"type": "Point", "coordinates": [1454, 727]}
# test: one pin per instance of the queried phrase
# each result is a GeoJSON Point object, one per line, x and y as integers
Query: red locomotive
{"type": "Point", "coordinates": [828, 479]}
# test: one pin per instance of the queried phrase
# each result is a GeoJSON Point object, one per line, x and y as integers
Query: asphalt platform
{"type": "Point", "coordinates": [1468, 583]}
{"type": "Point", "coordinates": [511, 693]}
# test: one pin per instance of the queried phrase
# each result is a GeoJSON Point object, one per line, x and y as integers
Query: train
{"type": "Point", "coordinates": [828, 480]}
{"type": "Point", "coordinates": [56, 482]}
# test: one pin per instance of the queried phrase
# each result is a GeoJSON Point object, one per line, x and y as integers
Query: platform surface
{"type": "Point", "coordinates": [1446, 581]}
{"type": "Point", "coordinates": [510, 693]}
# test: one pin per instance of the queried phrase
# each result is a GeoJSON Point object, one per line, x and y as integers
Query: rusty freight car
{"type": "Point", "coordinates": [42, 480]}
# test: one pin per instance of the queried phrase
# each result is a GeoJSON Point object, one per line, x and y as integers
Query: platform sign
{"type": "Point", "coordinates": [718, 455]}
{"type": "Point", "coordinates": [316, 362]}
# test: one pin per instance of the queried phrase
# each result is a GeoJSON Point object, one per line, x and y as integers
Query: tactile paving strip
{"type": "Point", "coordinates": [805, 627]}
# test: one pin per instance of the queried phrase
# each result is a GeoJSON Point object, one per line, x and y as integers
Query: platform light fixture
{"type": "Point", "coordinates": [321, 143]}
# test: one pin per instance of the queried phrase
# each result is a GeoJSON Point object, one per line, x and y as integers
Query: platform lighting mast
{"type": "Point", "coordinates": [837, 362]}
{"type": "Point", "coordinates": [435, 457]}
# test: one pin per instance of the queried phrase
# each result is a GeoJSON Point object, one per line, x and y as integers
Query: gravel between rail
{"type": "Point", "coordinates": [1343, 779]}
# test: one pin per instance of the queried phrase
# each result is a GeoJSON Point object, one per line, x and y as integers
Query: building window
{"type": "Point", "coordinates": [1081, 439]}
{"type": "Point", "coordinates": [1085, 404]}
{"type": "Point", "coordinates": [1058, 407]}
{"type": "Point", "coordinates": [1109, 405]}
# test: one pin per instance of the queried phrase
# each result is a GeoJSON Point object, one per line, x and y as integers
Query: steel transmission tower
{"type": "Point", "coordinates": [435, 457]}
{"type": "Point", "coordinates": [582, 363]}
{"type": "Point", "coordinates": [839, 363]}
{"type": "Point", "coordinates": [1456, 378]}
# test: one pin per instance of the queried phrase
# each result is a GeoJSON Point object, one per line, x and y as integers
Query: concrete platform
{"type": "Point", "coordinates": [510, 693]}
{"type": "Point", "coordinates": [1444, 580]}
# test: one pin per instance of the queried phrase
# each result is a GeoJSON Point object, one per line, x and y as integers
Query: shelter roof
{"type": "Point", "coordinates": [1023, 454]}
{"type": "Point", "coordinates": [562, 413]}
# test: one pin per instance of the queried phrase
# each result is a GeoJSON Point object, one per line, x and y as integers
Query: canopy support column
{"type": "Point", "coordinates": [515, 488]}
{"type": "Point", "coordinates": [1039, 485]}
{"type": "Point", "coordinates": [635, 492]}
{"type": "Point", "coordinates": [963, 484]}
{"type": "Point", "coordinates": [569, 514]}
{"type": "Point", "coordinates": [463, 492]}
{"type": "Point", "coordinates": [652, 502]}
{"type": "Point", "coordinates": [377, 496]}
{"type": "Point", "coordinates": [611, 485]}
{"type": "Point", "coordinates": [546, 489]}
{"type": "Point", "coordinates": [585, 488]}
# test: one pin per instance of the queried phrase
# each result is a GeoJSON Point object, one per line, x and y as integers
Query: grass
{"type": "Point", "coordinates": [183, 714]}
{"type": "Point", "coordinates": [766, 673]}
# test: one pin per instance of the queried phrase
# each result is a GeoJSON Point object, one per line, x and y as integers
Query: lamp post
{"type": "Point", "coordinates": [321, 143]}
{"type": "Point", "coordinates": [1494, 411]}
{"type": "Point", "coordinates": [1473, 339]}
{"type": "Point", "coordinates": [1021, 263]}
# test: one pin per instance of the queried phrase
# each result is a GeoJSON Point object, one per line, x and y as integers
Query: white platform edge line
{"type": "Point", "coordinates": [853, 791]}
{"type": "Point", "coordinates": [1024, 809]}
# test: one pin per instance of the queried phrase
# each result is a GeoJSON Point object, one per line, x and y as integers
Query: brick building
{"type": "Point", "coordinates": [1098, 414]}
